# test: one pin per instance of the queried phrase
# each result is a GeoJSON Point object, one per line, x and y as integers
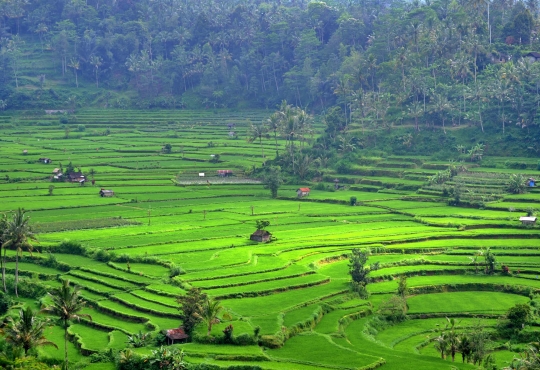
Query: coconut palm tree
{"type": "Point", "coordinates": [27, 332]}
{"type": "Point", "coordinates": [453, 338]}
{"type": "Point", "coordinates": [18, 235]}
{"type": "Point", "coordinates": [441, 344]}
{"type": "Point", "coordinates": [274, 124]}
{"type": "Point", "coordinates": [258, 132]}
{"type": "Point", "coordinates": [208, 313]}
{"type": "Point", "coordinates": [96, 61]}
{"type": "Point", "coordinates": [76, 65]}
{"type": "Point", "coordinates": [441, 106]}
{"type": "Point", "coordinates": [66, 305]}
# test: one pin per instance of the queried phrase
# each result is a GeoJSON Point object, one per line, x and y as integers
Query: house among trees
{"type": "Point", "coordinates": [528, 220]}
{"type": "Point", "coordinates": [76, 177]}
{"type": "Point", "coordinates": [224, 173]}
{"type": "Point", "coordinates": [533, 56]}
{"type": "Point", "coordinates": [302, 192]}
{"type": "Point", "coordinates": [176, 335]}
{"type": "Point", "coordinates": [57, 174]}
{"type": "Point", "coordinates": [106, 193]}
{"type": "Point", "coordinates": [261, 236]}
{"type": "Point", "coordinates": [45, 160]}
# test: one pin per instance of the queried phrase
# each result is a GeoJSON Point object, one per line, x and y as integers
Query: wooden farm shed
{"type": "Point", "coordinates": [302, 192]}
{"type": "Point", "coordinates": [224, 173]}
{"type": "Point", "coordinates": [176, 335]}
{"type": "Point", "coordinates": [57, 174]}
{"type": "Point", "coordinates": [528, 220]}
{"type": "Point", "coordinates": [533, 56]}
{"type": "Point", "coordinates": [76, 177]}
{"type": "Point", "coordinates": [106, 193]}
{"type": "Point", "coordinates": [45, 160]}
{"type": "Point", "coordinates": [260, 236]}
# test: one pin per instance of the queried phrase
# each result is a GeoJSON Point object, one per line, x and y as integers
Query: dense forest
{"type": "Point", "coordinates": [442, 62]}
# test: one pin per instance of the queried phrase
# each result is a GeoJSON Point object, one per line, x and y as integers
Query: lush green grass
{"type": "Point", "coordinates": [465, 302]}
{"type": "Point", "coordinates": [204, 229]}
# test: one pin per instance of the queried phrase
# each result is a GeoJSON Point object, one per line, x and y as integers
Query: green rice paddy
{"type": "Point", "coordinates": [295, 289]}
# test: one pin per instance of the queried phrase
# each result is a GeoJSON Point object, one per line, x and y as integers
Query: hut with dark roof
{"type": "Point", "coordinates": [178, 335]}
{"type": "Point", "coordinates": [261, 236]}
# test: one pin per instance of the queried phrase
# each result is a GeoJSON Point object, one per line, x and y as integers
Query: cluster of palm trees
{"type": "Point", "coordinates": [27, 332]}
{"type": "Point", "coordinates": [489, 260]}
{"type": "Point", "coordinates": [472, 345]}
{"type": "Point", "coordinates": [291, 123]}
{"type": "Point", "coordinates": [16, 234]}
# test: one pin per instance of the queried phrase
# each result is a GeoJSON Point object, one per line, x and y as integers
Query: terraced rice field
{"type": "Point", "coordinates": [295, 289]}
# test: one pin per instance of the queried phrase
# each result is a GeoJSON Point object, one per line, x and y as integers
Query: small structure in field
{"type": "Point", "coordinates": [302, 192]}
{"type": "Point", "coordinates": [533, 56]}
{"type": "Point", "coordinates": [178, 335]}
{"type": "Point", "coordinates": [531, 182]}
{"type": "Point", "coordinates": [57, 174]}
{"type": "Point", "coordinates": [201, 174]}
{"type": "Point", "coordinates": [45, 160]}
{"type": "Point", "coordinates": [106, 193]}
{"type": "Point", "coordinates": [25, 152]}
{"type": "Point", "coordinates": [76, 177]}
{"type": "Point", "coordinates": [224, 173]}
{"type": "Point", "coordinates": [528, 220]}
{"type": "Point", "coordinates": [58, 111]}
{"type": "Point", "coordinates": [261, 236]}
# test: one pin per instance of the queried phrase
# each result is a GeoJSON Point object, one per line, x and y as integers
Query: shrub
{"type": "Point", "coordinates": [160, 339]}
{"type": "Point", "coordinates": [102, 256]}
{"type": "Point", "coordinates": [228, 334]}
{"type": "Point", "coordinates": [5, 303]}
{"type": "Point", "coordinates": [244, 339]}
{"type": "Point", "coordinates": [516, 184]}
{"type": "Point", "coordinates": [352, 201]}
{"type": "Point", "coordinates": [70, 247]}
{"type": "Point", "coordinates": [515, 165]}
{"type": "Point", "coordinates": [81, 128]}
{"type": "Point", "coordinates": [176, 271]}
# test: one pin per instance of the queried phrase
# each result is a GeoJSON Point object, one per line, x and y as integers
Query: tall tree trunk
{"type": "Point", "coordinates": [4, 270]}
{"type": "Point", "coordinates": [262, 148]}
{"type": "Point", "coordinates": [66, 362]}
{"type": "Point", "coordinates": [16, 273]}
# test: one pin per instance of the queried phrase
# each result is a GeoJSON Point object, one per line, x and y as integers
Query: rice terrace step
{"type": "Point", "coordinates": [181, 220]}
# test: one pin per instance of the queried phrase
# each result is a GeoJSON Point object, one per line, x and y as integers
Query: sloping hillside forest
{"type": "Point", "coordinates": [435, 62]}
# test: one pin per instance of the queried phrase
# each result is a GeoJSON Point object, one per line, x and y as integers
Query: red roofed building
{"type": "Point", "coordinates": [302, 192]}
{"type": "Point", "coordinates": [176, 335]}
{"type": "Point", "coordinates": [224, 173]}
